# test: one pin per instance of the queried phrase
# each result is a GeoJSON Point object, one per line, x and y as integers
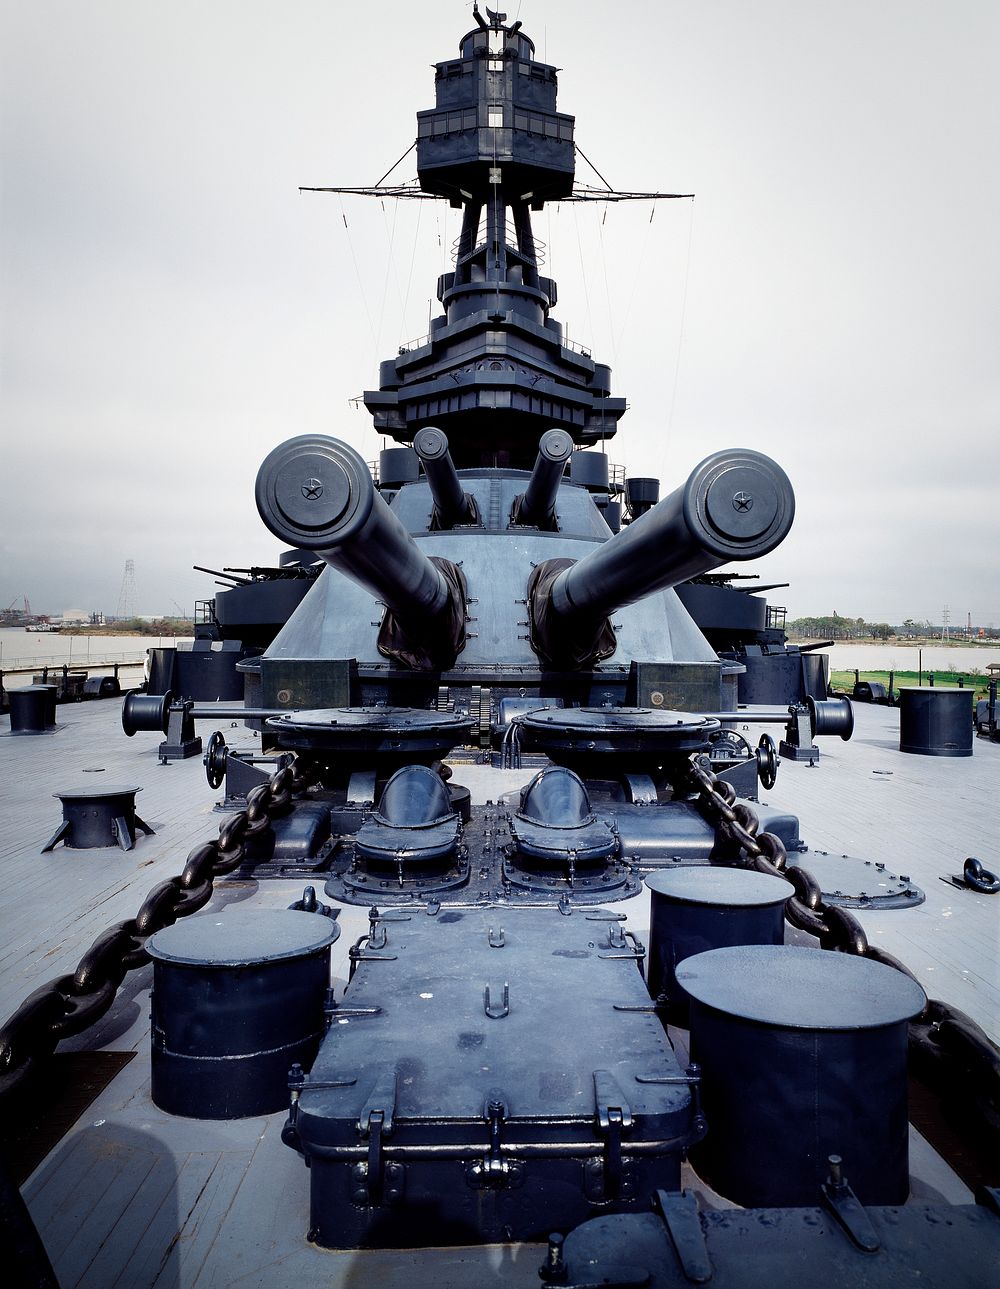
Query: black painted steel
{"type": "Point", "coordinates": [803, 1054]}
{"type": "Point", "coordinates": [957, 1246]}
{"type": "Point", "coordinates": [381, 732]}
{"type": "Point", "coordinates": [537, 505]}
{"type": "Point", "coordinates": [146, 712]}
{"type": "Point", "coordinates": [641, 494]}
{"type": "Point", "coordinates": [936, 722]}
{"type": "Point", "coordinates": [414, 825]}
{"type": "Point", "coordinates": [736, 505]}
{"type": "Point", "coordinates": [452, 504]}
{"type": "Point", "coordinates": [696, 909]}
{"type": "Point", "coordinates": [102, 687]}
{"type": "Point", "coordinates": [557, 824]}
{"type": "Point", "coordinates": [498, 1075]}
{"type": "Point", "coordinates": [495, 370]}
{"type": "Point", "coordinates": [622, 736]}
{"type": "Point", "coordinates": [29, 709]}
{"type": "Point", "coordinates": [236, 1002]}
{"type": "Point", "coordinates": [831, 716]}
{"type": "Point", "coordinates": [98, 817]}
{"type": "Point", "coordinates": [316, 492]}
{"type": "Point", "coordinates": [590, 471]}
{"type": "Point", "coordinates": [161, 670]}
{"type": "Point", "coordinates": [207, 671]}
{"type": "Point", "coordinates": [397, 466]}
{"type": "Point", "coordinates": [51, 701]}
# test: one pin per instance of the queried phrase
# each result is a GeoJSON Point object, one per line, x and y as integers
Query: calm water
{"type": "Point", "coordinates": [20, 648]}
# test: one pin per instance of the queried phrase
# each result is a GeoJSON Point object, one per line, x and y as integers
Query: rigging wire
{"type": "Point", "coordinates": [577, 148]}
{"type": "Point", "coordinates": [584, 275]}
{"type": "Point", "coordinates": [389, 269]}
{"type": "Point", "coordinates": [409, 276]}
{"type": "Point", "coordinates": [381, 181]}
{"type": "Point", "coordinates": [411, 191]}
{"type": "Point", "coordinates": [607, 289]}
{"type": "Point", "coordinates": [637, 275]}
{"type": "Point", "coordinates": [680, 333]}
{"type": "Point", "coordinates": [357, 274]}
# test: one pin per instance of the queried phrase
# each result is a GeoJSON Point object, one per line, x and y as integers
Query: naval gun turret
{"type": "Point", "coordinates": [484, 570]}
{"type": "Point", "coordinates": [316, 493]}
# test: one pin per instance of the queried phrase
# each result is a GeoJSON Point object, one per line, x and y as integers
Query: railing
{"type": "Point", "coordinates": [565, 341]}
{"type": "Point", "coordinates": [19, 666]}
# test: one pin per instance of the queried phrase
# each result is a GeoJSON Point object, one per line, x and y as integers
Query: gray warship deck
{"type": "Point", "coordinates": [133, 1196]}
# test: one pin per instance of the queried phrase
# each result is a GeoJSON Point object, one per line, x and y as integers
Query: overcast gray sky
{"type": "Point", "coordinates": [173, 307]}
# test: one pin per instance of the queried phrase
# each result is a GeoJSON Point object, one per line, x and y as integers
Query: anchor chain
{"type": "Point", "coordinates": [737, 825]}
{"type": "Point", "coordinates": [69, 1004]}
{"type": "Point", "coordinates": [947, 1049]}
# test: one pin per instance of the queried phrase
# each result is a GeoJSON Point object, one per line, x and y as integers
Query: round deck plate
{"type": "Point", "coordinates": [859, 883]}
{"type": "Point", "coordinates": [239, 938]}
{"type": "Point", "coordinates": [800, 988]}
{"type": "Point", "coordinates": [371, 729]}
{"type": "Point", "coordinates": [720, 887]}
{"type": "Point", "coordinates": [102, 793]}
{"type": "Point", "coordinates": [618, 730]}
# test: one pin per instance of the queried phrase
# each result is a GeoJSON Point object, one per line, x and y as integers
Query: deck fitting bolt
{"type": "Point", "coordinates": [554, 1268]}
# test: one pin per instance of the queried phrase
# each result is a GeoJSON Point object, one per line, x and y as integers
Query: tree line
{"type": "Point", "coordinates": [835, 627]}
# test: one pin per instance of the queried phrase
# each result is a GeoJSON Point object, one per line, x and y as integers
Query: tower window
{"type": "Point", "coordinates": [494, 117]}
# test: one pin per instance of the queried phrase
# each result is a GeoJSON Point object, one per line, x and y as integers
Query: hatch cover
{"type": "Point", "coordinates": [860, 883]}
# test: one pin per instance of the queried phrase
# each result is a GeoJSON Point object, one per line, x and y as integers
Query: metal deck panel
{"type": "Point", "coordinates": [134, 1197]}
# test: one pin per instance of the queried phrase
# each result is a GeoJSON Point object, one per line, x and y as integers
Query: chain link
{"type": "Point", "coordinates": [943, 1040]}
{"type": "Point", "coordinates": [70, 1004]}
{"type": "Point", "coordinates": [946, 1047]}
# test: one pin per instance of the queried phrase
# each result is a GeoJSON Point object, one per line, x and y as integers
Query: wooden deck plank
{"type": "Point", "coordinates": [921, 816]}
{"type": "Point", "coordinates": [76, 1213]}
{"type": "Point", "coordinates": [142, 1239]}
{"type": "Point", "coordinates": [205, 1218]}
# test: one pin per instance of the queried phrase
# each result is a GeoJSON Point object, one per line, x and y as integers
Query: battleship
{"type": "Point", "coordinates": [509, 947]}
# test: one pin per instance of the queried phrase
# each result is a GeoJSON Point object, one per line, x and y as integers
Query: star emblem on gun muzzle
{"type": "Point", "coordinates": [743, 501]}
{"type": "Point", "coordinates": [312, 489]}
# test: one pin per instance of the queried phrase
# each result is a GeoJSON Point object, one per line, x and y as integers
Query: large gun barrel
{"type": "Point", "coordinates": [537, 503]}
{"type": "Point", "coordinates": [736, 505]}
{"type": "Point", "coordinates": [452, 504]}
{"type": "Point", "coordinates": [316, 493]}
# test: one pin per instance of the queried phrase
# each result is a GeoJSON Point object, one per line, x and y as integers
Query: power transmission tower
{"type": "Point", "coordinates": [945, 619]}
{"type": "Point", "coordinates": [126, 596]}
